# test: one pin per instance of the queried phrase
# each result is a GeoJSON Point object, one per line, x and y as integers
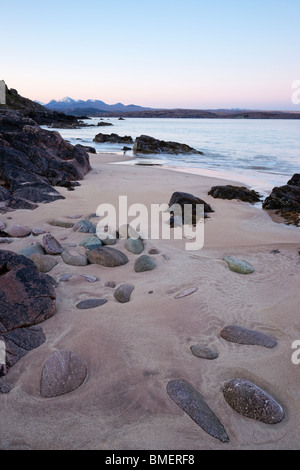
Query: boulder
{"type": "Point", "coordinates": [30, 250]}
{"type": "Point", "coordinates": [113, 138]}
{"type": "Point", "coordinates": [85, 226]}
{"type": "Point", "coordinates": [179, 199]}
{"type": "Point", "coordinates": [134, 245]}
{"type": "Point", "coordinates": [74, 260]}
{"type": "Point", "coordinates": [195, 406]}
{"type": "Point", "coordinates": [285, 200]}
{"type": "Point", "coordinates": [144, 263]}
{"type": "Point", "coordinates": [44, 263]}
{"type": "Point", "coordinates": [146, 144]}
{"type": "Point", "coordinates": [235, 192]}
{"type": "Point", "coordinates": [107, 256]}
{"type": "Point", "coordinates": [18, 231]}
{"type": "Point", "coordinates": [238, 266]}
{"type": "Point", "coordinates": [51, 245]}
{"type": "Point", "coordinates": [90, 243]}
{"type": "Point", "coordinates": [15, 202]}
{"type": "Point", "coordinates": [251, 401]}
{"type": "Point", "coordinates": [123, 292]}
{"type": "Point", "coordinates": [62, 373]}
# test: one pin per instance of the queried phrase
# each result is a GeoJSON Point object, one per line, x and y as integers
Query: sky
{"type": "Point", "coordinates": [196, 54]}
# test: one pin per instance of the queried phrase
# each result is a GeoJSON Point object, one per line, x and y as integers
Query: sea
{"type": "Point", "coordinates": [260, 153]}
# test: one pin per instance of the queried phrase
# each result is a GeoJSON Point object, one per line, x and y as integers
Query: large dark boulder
{"type": "Point", "coordinates": [180, 199]}
{"type": "Point", "coordinates": [112, 138]}
{"type": "Point", "coordinates": [286, 200]}
{"type": "Point", "coordinates": [27, 298]}
{"type": "Point", "coordinates": [33, 160]}
{"type": "Point", "coordinates": [235, 192]}
{"type": "Point", "coordinates": [148, 145]}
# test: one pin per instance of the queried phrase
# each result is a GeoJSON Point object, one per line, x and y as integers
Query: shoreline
{"type": "Point", "coordinates": [133, 350]}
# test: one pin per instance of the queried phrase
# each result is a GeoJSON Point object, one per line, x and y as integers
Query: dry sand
{"type": "Point", "coordinates": [133, 350]}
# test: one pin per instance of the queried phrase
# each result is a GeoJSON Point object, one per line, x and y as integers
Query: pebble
{"type": "Point", "coordinates": [90, 278]}
{"type": "Point", "coordinates": [110, 284]}
{"type": "Point", "coordinates": [186, 292]}
{"type": "Point", "coordinates": [91, 242]}
{"type": "Point", "coordinates": [44, 263]}
{"type": "Point", "coordinates": [37, 231]}
{"type": "Point", "coordinates": [153, 251]}
{"type": "Point", "coordinates": [192, 403]}
{"type": "Point", "coordinates": [2, 225]}
{"type": "Point", "coordinates": [62, 373]}
{"type": "Point", "coordinates": [251, 401]}
{"type": "Point", "coordinates": [240, 335]}
{"type": "Point", "coordinates": [91, 303]}
{"type": "Point", "coordinates": [51, 245]}
{"type": "Point", "coordinates": [238, 266]}
{"type": "Point", "coordinates": [204, 352]}
{"type": "Point", "coordinates": [5, 240]}
{"type": "Point", "coordinates": [123, 292]}
{"type": "Point", "coordinates": [76, 216]}
{"type": "Point", "coordinates": [134, 245]}
{"type": "Point", "coordinates": [85, 226]}
{"type": "Point", "coordinates": [144, 263]}
{"type": "Point", "coordinates": [65, 277]}
{"type": "Point", "coordinates": [4, 387]}
{"type": "Point", "coordinates": [60, 223]}
{"type": "Point", "coordinates": [30, 250]}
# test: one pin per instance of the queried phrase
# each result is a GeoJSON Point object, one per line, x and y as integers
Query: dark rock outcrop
{"type": "Point", "coordinates": [285, 200]}
{"type": "Point", "coordinates": [148, 145]}
{"type": "Point", "coordinates": [180, 198]}
{"type": "Point", "coordinates": [113, 138]}
{"type": "Point", "coordinates": [33, 160]}
{"type": "Point", "coordinates": [235, 192]}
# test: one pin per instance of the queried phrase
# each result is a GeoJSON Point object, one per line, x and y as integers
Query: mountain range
{"type": "Point", "coordinates": [90, 107]}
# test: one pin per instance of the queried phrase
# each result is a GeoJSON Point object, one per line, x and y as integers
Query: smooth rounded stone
{"type": "Point", "coordinates": [2, 225]}
{"type": "Point", "coordinates": [90, 278]}
{"type": "Point", "coordinates": [153, 251]}
{"type": "Point", "coordinates": [186, 292]}
{"type": "Point", "coordinates": [108, 240]}
{"type": "Point", "coordinates": [60, 223]}
{"type": "Point", "coordinates": [51, 245]}
{"type": "Point", "coordinates": [134, 245]}
{"type": "Point", "coordinates": [204, 352]}
{"type": "Point", "coordinates": [123, 292]}
{"type": "Point", "coordinates": [44, 263]}
{"type": "Point", "coordinates": [90, 243]}
{"type": "Point", "coordinates": [62, 373]}
{"type": "Point", "coordinates": [107, 256]}
{"type": "Point", "coordinates": [73, 260]}
{"type": "Point", "coordinates": [251, 401]}
{"type": "Point", "coordinates": [240, 335]}
{"type": "Point", "coordinates": [6, 240]}
{"type": "Point", "coordinates": [111, 284]}
{"type": "Point", "coordinates": [192, 403]}
{"type": "Point", "coordinates": [238, 266]}
{"type": "Point", "coordinates": [85, 226]}
{"type": "Point", "coordinates": [4, 387]}
{"type": "Point", "coordinates": [30, 250]}
{"type": "Point", "coordinates": [18, 231]}
{"type": "Point", "coordinates": [75, 216]}
{"type": "Point", "coordinates": [37, 231]}
{"type": "Point", "coordinates": [90, 303]}
{"type": "Point", "coordinates": [144, 263]}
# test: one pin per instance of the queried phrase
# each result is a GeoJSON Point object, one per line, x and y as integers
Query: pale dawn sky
{"type": "Point", "coordinates": [200, 54]}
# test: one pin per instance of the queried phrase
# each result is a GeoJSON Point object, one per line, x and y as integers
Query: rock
{"type": "Point", "coordinates": [37, 231]}
{"type": "Point", "coordinates": [75, 216]}
{"type": "Point", "coordinates": [27, 297]}
{"type": "Point", "coordinates": [235, 192]}
{"type": "Point", "coordinates": [134, 245]}
{"type": "Point", "coordinates": [33, 160]}
{"type": "Point", "coordinates": [144, 263]}
{"type": "Point", "coordinates": [4, 387]}
{"type": "Point", "coordinates": [285, 200]}
{"type": "Point", "coordinates": [19, 341]}
{"type": "Point", "coordinates": [253, 402]}
{"type": "Point", "coordinates": [113, 138]}
{"type": "Point", "coordinates": [5, 240]}
{"type": "Point", "coordinates": [123, 292]}
{"type": "Point", "coordinates": [65, 277]}
{"type": "Point", "coordinates": [126, 231]}
{"type": "Point", "coordinates": [110, 284]}
{"type": "Point", "coordinates": [295, 180]}
{"type": "Point", "coordinates": [204, 352]}
{"type": "Point", "coordinates": [179, 199]}
{"type": "Point", "coordinates": [103, 123]}
{"type": "Point", "coordinates": [186, 292]}
{"type": "Point", "coordinates": [90, 278]}
{"type": "Point", "coordinates": [51, 245]}
{"type": "Point", "coordinates": [90, 303]}
{"type": "Point", "coordinates": [44, 263]}
{"type": "Point", "coordinates": [147, 144]}
{"type": "Point", "coordinates": [153, 251]}
{"type": "Point", "coordinates": [85, 226]}
{"type": "Point", "coordinates": [87, 148]}
{"type": "Point", "coordinates": [4, 194]}
{"type": "Point", "coordinates": [60, 223]}
{"type": "Point", "coordinates": [240, 335]}
{"type": "Point", "coordinates": [62, 373]}
{"type": "Point", "coordinates": [15, 202]}
{"type": "Point", "coordinates": [90, 243]}
{"type": "Point", "coordinates": [30, 250]}
{"type": "Point", "coordinates": [107, 240]}
{"type": "Point", "coordinates": [192, 403]}
{"type": "Point", "coordinates": [18, 231]}
{"type": "Point", "coordinates": [107, 256]}
{"type": "Point", "coordinates": [238, 266]}
{"type": "Point", "coordinates": [74, 260]}
{"type": "Point", "coordinates": [2, 225]}
{"type": "Point", "coordinates": [166, 257]}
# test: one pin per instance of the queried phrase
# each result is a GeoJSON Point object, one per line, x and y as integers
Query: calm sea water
{"type": "Point", "coordinates": [261, 153]}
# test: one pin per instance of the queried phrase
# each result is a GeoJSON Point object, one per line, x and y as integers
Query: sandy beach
{"type": "Point", "coordinates": [133, 350]}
